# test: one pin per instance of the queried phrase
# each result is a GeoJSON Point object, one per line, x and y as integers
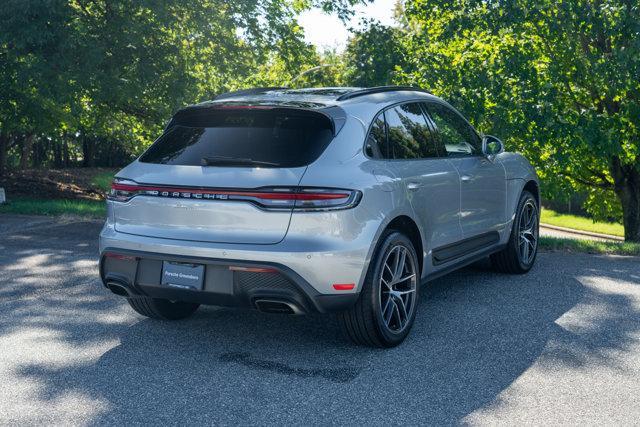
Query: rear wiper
{"type": "Point", "coordinates": [232, 161]}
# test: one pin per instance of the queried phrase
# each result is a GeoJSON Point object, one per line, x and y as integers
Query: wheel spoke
{"type": "Point", "coordinates": [400, 264]}
{"type": "Point", "coordinates": [523, 241]}
{"type": "Point", "coordinates": [386, 265]}
{"type": "Point", "coordinates": [394, 266]}
{"type": "Point", "coordinates": [396, 313]}
{"type": "Point", "coordinates": [525, 251]}
{"type": "Point", "coordinates": [404, 279]}
{"type": "Point", "coordinates": [532, 217]}
{"type": "Point", "coordinates": [402, 309]}
{"type": "Point", "coordinates": [388, 311]}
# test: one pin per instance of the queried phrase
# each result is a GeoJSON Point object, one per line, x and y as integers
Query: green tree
{"type": "Point", "coordinates": [374, 55]}
{"type": "Point", "coordinates": [559, 80]}
{"type": "Point", "coordinates": [85, 75]}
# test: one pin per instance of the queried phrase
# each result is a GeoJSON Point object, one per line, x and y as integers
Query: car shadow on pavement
{"type": "Point", "coordinates": [476, 333]}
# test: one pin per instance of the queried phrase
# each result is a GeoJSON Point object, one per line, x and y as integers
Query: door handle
{"type": "Point", "coordinates": [413, 186]}
{"type": "Point", "coordinates": [465, 178]}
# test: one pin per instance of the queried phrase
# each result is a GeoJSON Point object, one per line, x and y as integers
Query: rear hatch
{"type": "Point", "coordinates": [227, 174]}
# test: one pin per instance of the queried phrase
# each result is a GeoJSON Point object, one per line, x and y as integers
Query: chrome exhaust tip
{"type": "Point", "coordinates": [119, 289]}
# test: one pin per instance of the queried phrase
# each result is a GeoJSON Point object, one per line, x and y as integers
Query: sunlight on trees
{"type": "Point", "coordinates": [92, 83]}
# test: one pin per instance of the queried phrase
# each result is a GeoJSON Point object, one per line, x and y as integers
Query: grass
{"type": "Point", "coordinates": [103, 180]}
{"type": "Point", "coordinates": [581, 223]}
{"type": "Point", "coordinates": [85, 208]}
{"type": "Point", "coordinates": [589, 246]}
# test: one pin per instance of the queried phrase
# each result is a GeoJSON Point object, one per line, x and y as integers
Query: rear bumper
{"type": "Point", "coordinates": [137, 273]}
{"type": "Point", "coordinates": [321, 255]}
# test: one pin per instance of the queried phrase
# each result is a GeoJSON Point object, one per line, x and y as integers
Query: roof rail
{"type": "Point", "coordinates": [377, 89]}
{"type": "Point", "coordinates": [243, 92]}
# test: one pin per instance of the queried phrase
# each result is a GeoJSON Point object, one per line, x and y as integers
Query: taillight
{"type": "Point", "coordinates": [123, 190]}
{"type": "Point", "coordinates": [271, 198]}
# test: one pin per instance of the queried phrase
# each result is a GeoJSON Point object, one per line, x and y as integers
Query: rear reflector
{"type": "Point", "coordinates": [344, 286]}
{"type": "Point", "coordinates": [119, 256]}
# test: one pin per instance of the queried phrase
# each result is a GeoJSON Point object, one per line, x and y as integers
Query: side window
{"type": "Point", "coordinates": [409, 134]}
{"type": "Point", "coordinates": [458, 138]}
{"type": "Point", "coordinates": [376, 145]}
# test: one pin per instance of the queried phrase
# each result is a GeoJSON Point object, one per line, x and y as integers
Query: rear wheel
{"type": "Point", "coordinates": [520, 254]}
{"type": "Point", "coordinates": [163, 309]}
{"type": "Point", "coordinates": [386, 309]}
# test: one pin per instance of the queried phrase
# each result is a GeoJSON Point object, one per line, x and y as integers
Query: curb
{"type": "Point", "coordinates": [582, 233]}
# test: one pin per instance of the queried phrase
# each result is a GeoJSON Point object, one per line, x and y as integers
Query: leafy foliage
{"type": "Point", "coordinates": [374, 55]}
{"type": "Point", "coordinates": [97, 79]}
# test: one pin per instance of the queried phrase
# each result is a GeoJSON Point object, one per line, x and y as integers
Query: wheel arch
{"type": "Point", "coordinates": [409, 228]}
{"type": "Point", "coordinates": [515, 189]}
{"type": "Point", "coordinates": [532, 187]}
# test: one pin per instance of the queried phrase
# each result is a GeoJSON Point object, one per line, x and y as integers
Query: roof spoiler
{"type": "Point", "coordinates": [336, 116]}
{"type": "Point", "coordinates": [378, 89]}
{"type": "Point", "coordinates": [245, 92]}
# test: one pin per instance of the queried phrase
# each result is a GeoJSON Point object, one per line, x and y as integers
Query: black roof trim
{"type": "Point", "coordinates": [378, 89]}
{"type": "Point", "coordinates": [244, 92]}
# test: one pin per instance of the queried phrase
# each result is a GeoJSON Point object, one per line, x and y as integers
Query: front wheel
{"type": "Point", "coordinates": [386, 309]}
{"type": "Point", "coordinates": [520, 253]}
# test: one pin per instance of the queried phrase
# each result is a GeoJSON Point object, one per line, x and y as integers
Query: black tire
{"type": "Point", "coordinates": [162, 309]}
{"type": "Point", "coordinates": [364, 323]}
{"type": "Point", "coordinates": [511, 260]}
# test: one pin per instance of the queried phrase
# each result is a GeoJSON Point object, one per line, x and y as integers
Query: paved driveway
{"type": "Point", "coordinates": [560, 345]}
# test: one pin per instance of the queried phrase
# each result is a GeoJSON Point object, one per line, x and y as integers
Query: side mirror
{"type": "Point", "coordinates": [491, 146]}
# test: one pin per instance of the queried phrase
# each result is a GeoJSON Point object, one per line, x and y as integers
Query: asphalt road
{"type": "Point", "coordinates": [559, 345]}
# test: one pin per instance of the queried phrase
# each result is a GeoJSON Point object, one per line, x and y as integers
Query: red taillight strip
{"type": "Point", "coordinates": [272, 195]}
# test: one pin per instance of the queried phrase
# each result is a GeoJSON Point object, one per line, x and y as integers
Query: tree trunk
{"type": "Point", "coordinates": [65, 153]}
{"type": "Point", "coordinates": [88, 152]}
{"type": "Point", "coordinates": [4, 148]}
{"type": "Point", "coordinates": [25, 155]}
{"type": "Point", "coordinates": [627, 188]}
{"type": "Point", "coordinates": [631, 212]}
{"type": "Point", "coordinates": [39, 152]}
{"type": "Point", "coordinates": [57, 153]}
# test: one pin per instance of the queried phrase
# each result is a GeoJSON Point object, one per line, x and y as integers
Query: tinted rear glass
{"type": "Point", "coordinates": [282, 139]}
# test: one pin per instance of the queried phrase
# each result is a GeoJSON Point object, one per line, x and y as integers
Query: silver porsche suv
{"type": "Point", "coordinates": [344, 200]}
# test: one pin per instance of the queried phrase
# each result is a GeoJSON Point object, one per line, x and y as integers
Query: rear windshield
{"type": "Point", "coordinates": [269, 139]}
